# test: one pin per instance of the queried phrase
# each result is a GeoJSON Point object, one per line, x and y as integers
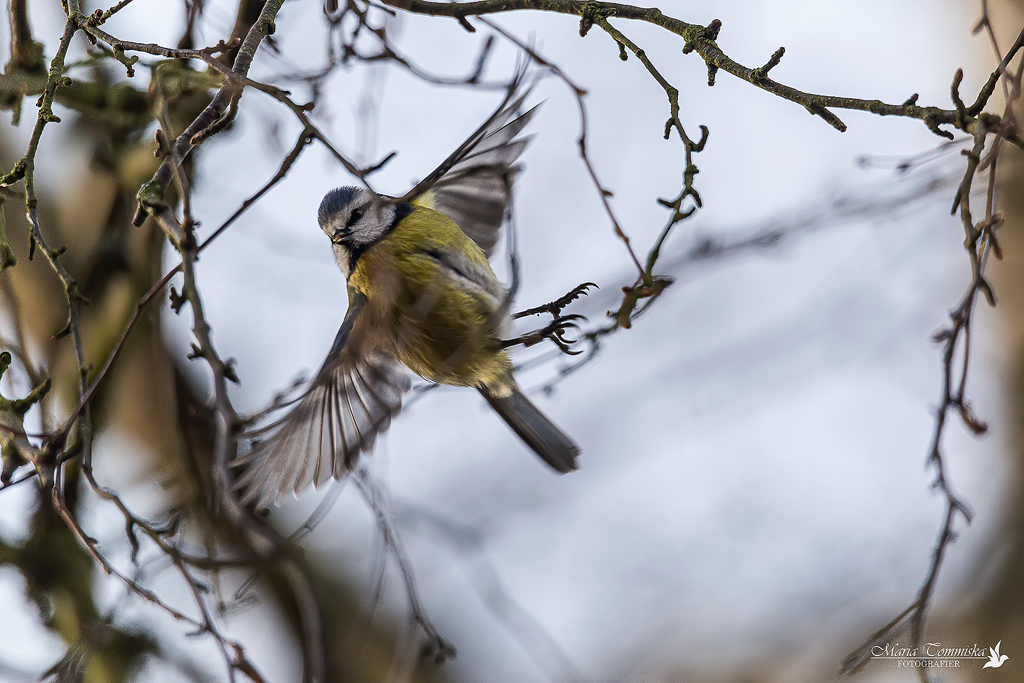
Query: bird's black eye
{"type": "Point", "coordinates": [354, 218]}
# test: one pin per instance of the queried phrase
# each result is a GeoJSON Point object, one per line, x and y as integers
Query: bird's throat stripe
{"type": "Point", "coordinates": [355, 251]}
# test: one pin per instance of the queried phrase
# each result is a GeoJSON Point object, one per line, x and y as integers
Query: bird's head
{"type": "Point", "coordinates": [354, 218]}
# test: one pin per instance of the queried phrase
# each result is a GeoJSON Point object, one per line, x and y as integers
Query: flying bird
{"type": "Point", "coordinates": [995, 660]}
{"type": "Point", "coordinates": [422, 297]}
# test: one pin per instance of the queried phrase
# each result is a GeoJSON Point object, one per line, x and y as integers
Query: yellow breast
{"type": "Point", "coordinates": [434, 301]}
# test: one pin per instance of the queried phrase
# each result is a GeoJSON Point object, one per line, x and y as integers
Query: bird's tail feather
{"type": "Point", "coordinates": [534, 428]}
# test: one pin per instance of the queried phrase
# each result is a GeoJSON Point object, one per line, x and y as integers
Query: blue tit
{"type": "Point", "coordinates": [422, 296]}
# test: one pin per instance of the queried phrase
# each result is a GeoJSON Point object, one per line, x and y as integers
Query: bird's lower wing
{"type": "Point", "coordinates": [351, 401]}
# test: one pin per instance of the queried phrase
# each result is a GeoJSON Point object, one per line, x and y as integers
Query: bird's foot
{"type": "Point", "coordinates": [555, 307]}
{"type": "Point", "coordinates": [554, 332]}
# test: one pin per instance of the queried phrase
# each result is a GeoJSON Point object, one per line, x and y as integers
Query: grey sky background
{"type": "Point", "coordinates": [752, 477]}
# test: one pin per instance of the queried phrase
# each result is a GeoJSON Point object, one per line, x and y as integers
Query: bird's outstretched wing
{"type": "Point", "coordinates": [473, 186]}
{"type": "Point", "coordinates": [351, 401]}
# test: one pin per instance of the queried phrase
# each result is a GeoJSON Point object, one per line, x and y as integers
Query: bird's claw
{"type": "Point", "coordinates": [556, 306]}
{"type": "Point", "coordinates": [553, 332]}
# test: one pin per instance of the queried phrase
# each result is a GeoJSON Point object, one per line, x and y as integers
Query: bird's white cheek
{"type": "Point", "coordinates": [341, 255]}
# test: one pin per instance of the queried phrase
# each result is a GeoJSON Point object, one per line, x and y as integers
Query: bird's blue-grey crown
{"type": "Point", "coordinates": [333, 202]}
